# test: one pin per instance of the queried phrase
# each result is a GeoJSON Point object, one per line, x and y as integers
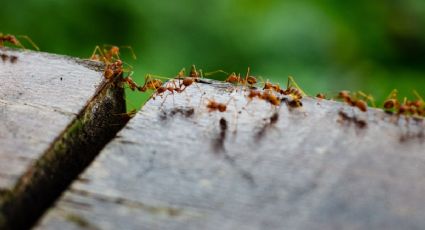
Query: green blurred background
{"type": "Point", "coordinates": [373, 46]}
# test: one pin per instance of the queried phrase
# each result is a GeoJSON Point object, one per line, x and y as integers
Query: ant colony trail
{"type": "Point", "coordinates": [222, 155]}
{"type": "Point", "coordinates": [245, 153]}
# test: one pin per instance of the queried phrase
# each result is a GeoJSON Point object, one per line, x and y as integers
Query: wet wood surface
{"type": "Point", "coordinates": [324, 165]}
{"type": "Point", "coordinates": [40, 96]}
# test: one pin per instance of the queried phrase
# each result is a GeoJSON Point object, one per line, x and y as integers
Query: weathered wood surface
{"type": "Point", "coordinates": [43, 99]}
{"type": "Point", "coordinates": [175, 167]}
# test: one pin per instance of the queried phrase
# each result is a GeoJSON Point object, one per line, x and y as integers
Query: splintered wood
{"type": "Point", "coordinates": [41, 98]}
{"type": "Point", "coordinates": [181, 165]}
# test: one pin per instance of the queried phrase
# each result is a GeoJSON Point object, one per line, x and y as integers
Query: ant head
{"type": "Point", "coordinates": [115, 50]}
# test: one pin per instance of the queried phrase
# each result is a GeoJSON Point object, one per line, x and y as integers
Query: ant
{"type": "Point", "coordinates": [294, 91]}
{"type": "Point", "coordinates": [14, 41]}
{"type": "Point", "coordinates": [416, 107]}
{"type": "Point", "coordinates": [236, 79]}
{"type": "Point", "coordinates": [321, 96]}
{"type": "Point", "coordinates": [266, 95]}
{"type": "Point", "coordinates": [268, 85]}
{"type": "Point", "coordinates": [411, 108]}
{"type": "Point", "coordinates": [216, 106]}
{"type": "Point", "coordinates": [106, 55]}
{"type": "Point", "coordinates": [233, 78]}
{"type": "Point", "coordinates": [186, 81]}
{"type": "Point", "coordinates": [114, 66]}
{"type": "Point", "coordinates": [131, 83]}
{"type": "Point", "coordinates": [253, 93]}
{"type": "Point", "coordinates": [113, 69]}
{"type": "Point", "coordinates": [152, 84]}
{"type": "Point", "coordinates": [270, 97]}
{"type": "Point", "coordinates": [392, 103]}
{"type": "Point", "coordinates": [355, 100]}
{"type": "Point", "coordinates": [250, 80]}
{"type": "Point", "coordinates": [195, 74]}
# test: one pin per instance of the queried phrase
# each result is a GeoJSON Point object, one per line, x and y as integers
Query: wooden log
{"type": "Point", "coordinates": [56, 112]}
{"type": "Point", "coordinates": [324, 165]}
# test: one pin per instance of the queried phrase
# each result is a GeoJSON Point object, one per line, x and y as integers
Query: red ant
{"type": "Point", "coordinates": [392, 102]}
{"type": "Point", "coordinates": [109, 55]}
{"type": "Point", "coordinates": [186, 81]}
{"type": "Point", "coordinates": [14, 41]}
{"type": "Point", "coordinates": [321, 96]}
{"type": "Point", "coordinates": [233, 78]}
{"type": "Point", "coordinates": [195, 74]}
{"type": "Point", "coordinates": [275, 87]}
{"type": "Point", "coordinates": [415, 108]}
{"type": "Point", "coordinates": [236, 79]}
{"type": "Point", "coordinates": [216, 106]}
{"type": "Point", "coordinates": [270, 97]}
{"type": "Point", "coordinates": [266, 95]}
{"type": "Point", "coordinates": [253, 93]}
{"type": "Point", "coordinates": [355, 101]}
{"type": "Point", "coordinates": [150, 83]}
{"type": "Point", "coordinates": [294, 91]}
{"type": "Point", "coordinates": [131, 83]}
{"type": "Point", "coordinates": [250, 80]}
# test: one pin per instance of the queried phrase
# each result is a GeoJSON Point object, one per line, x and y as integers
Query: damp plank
{"type": "Point", "coordinates": [177, 165]}
{"type": "Point", "coordinates": [43, 98]}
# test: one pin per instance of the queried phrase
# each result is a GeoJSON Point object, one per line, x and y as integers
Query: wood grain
{"type": "Point", "coordinates": [178, 166]}
{"type": "Point", "coordinates": [47, 103]}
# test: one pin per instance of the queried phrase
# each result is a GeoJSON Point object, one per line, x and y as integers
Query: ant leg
{"type": "Point", "coordinates": [97, 49]}
{"type": "Point", "coordinates": [368, 97]}
{"type": "Point", "coordinates": [215, 72]}
{"type": "Point", "coordinates": [130, 67]}
{"type": "Point", "coordinates": [200, 99]}
{"type": "Point", "coordinates": [30, 41]}
{"type": "Point", "coordinates": [181, 74]}
{"type": "Point", "coordinates": [131, 51]}
{"type": "Point", "coordinates": [165, 98]}
{"type": "Point", "coordinates": [199, 88]}
{"type": "Point", "coordinates": [418, 96]}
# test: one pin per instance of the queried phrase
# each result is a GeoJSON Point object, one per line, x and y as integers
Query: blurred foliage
{"type": "Point", "coordinates": [327, 46]}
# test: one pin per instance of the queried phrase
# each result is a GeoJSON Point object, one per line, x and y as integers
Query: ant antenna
{"type": "Point", "coordinates": [417, 95]}
{"type": "Point", "coordinates": [291, 82]}
{"type": "Point", "coordinates": [368, 97]}
{"type": "Point", "coordinates": [131, 51]}
{"type": "Point", "coordinates": [215, 72]}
